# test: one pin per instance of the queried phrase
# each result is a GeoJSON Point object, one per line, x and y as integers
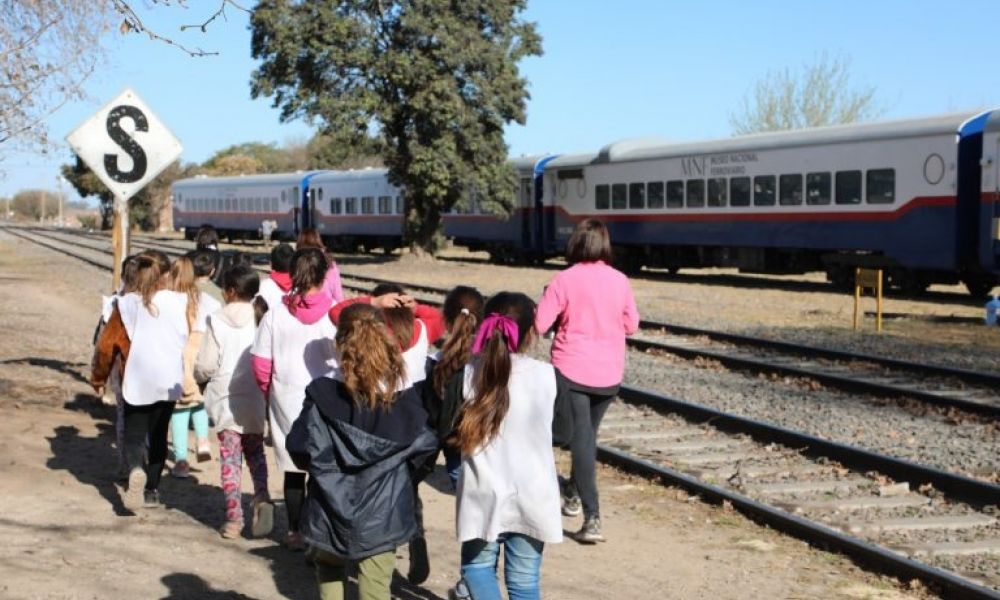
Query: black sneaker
{"type": "Point", "coordinates": [151, 499]}
{"type": "Point", "coordinates": [590, 533]}
{"type": "Point", "coordinates": [571, 506]}
{"type": "Point", "coordinates": [420, 566]}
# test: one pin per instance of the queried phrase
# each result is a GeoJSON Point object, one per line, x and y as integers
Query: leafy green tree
{"type": "Point", "coordinates": [144, 207]}
{"type": "Point", "coordinates": [435, 81]}
{"type": "Point", "coordinates": [820, 94]}
{"type": "Point", "coordinates": [35, 204]}
{"type": "Point", "coordinates": [252, 157]}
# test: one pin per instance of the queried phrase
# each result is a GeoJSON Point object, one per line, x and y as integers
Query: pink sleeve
{"type": "Point", "coordinates": [332, 283]}
{"type": "Point", "coordinates": [630, 316]}
{"type": "Point", "coordinates": [262, 369]}
{"type": "Point", "coordinates": [550, 306]}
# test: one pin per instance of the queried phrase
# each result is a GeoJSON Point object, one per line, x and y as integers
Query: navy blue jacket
{"type": "Point", "coordinates": [360, 497]}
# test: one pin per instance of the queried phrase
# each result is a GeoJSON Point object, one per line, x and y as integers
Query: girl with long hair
{"type": "Point", "coordinates": [294, 345]}
{"type": "Point", "coordinates": [310, 238]}
{"type": "Point", "coordinates": [508, 494]}
{"type": "Point", "coordinates": [592, 308]}
{"type": "Point", "coordinates": [186, 274]}
{"type": "Point", "coordinates": [359, 436]}
{"type": "Point", "coordinates": [155, 321]}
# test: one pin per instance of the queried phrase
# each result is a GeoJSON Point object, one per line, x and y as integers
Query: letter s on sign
{"type": "Point", "coordinates": [129, 145]}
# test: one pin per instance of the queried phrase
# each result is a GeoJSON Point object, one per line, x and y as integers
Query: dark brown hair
{"type": "Point", "coordinates": [147, 280]}
{"type": "Point", "coordinates": [130, 271]}
{"type": "Point", "coordinates": [308, 271]}
{"type": "Point", "coordinates": [461, 332]}
{"type": "Point", "coordinates": [309, 238]}
{"type": "Point", "coordinates": [480, 418]}
{"type": "Point", "coordinates": [590, 242]}
{"type": "Point", "coordinates": [371, 365]}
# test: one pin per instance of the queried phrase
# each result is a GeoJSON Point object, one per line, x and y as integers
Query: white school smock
{"type": "Point", "coordinates": [232, 398]}
{"type": "Point", "coordinates": [270, 292]}
{"type": "Point", "coordinates": [207, 305]}
{"type": "Point", "coordinates": [299, 353]}
{"type": "Point", "coordinates": [155, 367]}
{"type": "Point", "coordinates": [415, 359]}
{"type": "Point", "coordinates": [510, 485]}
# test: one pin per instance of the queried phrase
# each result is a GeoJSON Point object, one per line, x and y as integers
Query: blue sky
{"type": "Point", "coordinates": [610, 70]}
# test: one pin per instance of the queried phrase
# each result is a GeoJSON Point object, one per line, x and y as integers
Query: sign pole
{"type": "Point", "coordinates": [119, 238]}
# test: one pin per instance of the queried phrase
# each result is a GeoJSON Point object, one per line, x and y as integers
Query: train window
{"type": "Point", "coordinates": [717, 191]}
{"type": "Point", "coordinates": [654, 194]}
{"type": "Point", "coordinates": [880, 186]}
{"type": "Point", "coordinates": [384, 205]}
{"type": "Point", "coordinates": [368, 205]}
{"type": "Point", "coordinates": [602, 197]}
{"type": "Point", "coordinates": [399, 205]}
{"type": "Point", "coordinates": [637, 195]}
{"type": "Point", "coordinates": [351, 206]}
{"type": "Point", "coordinates": [763, 190]}
{"type": "Point", "coordinates": [818, 188]}
{"type": "Point", "coordinates": [675, 194]}
{"type": "Point", "coordinates": [619, 192]}
{"type": "Point", "coordinates": [790, 190]}
{"type": "Point", "coordinates": [695, 193]}
{"type": "Point", "coordinates": [335, 206]}
{"type": "Point", "coordinates": [739, 191]}
{"type": "Point", "coordinates": [282, 196]}
{"type": "Point", "coordinates": [848, 187]}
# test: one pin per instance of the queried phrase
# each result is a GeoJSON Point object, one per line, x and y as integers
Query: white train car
{"type": "Point", "coordinates": [356, 209]}
{"type": "Point", "coordinates": [238, 206]}
{"type": "Point", "coordinates": [894, 195]}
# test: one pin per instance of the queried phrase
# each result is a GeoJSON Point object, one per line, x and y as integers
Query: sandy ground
{"type": "Point", "coordinates": [66, 534]}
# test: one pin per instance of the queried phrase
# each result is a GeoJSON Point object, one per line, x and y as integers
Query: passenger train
{"type": "Point", "coordinates": [918, 198]}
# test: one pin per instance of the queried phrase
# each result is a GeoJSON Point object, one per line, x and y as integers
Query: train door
{"type": "Point", "coordinates": [297, 217]}
{"type": "Point", "coordinates": [991, 215]}
{"type": "Point", "coordinates": [526, 201]}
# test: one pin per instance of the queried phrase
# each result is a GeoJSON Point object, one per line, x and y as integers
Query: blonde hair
{"type": "Point", "coordinates": [182, 280]}
{"type": "Point", "coordinates": [371, 365]}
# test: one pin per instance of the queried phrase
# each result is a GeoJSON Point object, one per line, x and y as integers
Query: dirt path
{"type": "Point", "coordinates": [66, 535]}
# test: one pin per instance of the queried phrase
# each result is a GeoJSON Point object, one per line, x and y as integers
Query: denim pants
{"type": "Point", "coordinates": [522, 558]}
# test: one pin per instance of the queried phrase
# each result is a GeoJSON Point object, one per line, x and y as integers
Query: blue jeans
{"type": "Point", "coordinates": [522, 566]}
{"type": "Point", "coordinates": [453, 465]}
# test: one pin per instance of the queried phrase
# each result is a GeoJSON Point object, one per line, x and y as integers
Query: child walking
{"type": "Point", "coordinates": [155, 320]}
{"type": "Point", "coordinates": [294, 345]}
{"type": "Point", "coordinates": [190, 274]}
{"type": "Point", "coordinates": [508, 495]}
{"type": "Point", "coordinates": [359, 437]}
{"type": "Point", "coordinates": [274, 288]}
{"type": "Point", "coordinates": [235, 403]}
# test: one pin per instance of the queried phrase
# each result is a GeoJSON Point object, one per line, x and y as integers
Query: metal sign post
{"type": "Point", "coordinates": [126, 146]}
{"type": "Point", "coordinates": [868, 279]}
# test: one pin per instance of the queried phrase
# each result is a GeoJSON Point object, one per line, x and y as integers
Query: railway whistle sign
{"type": "Point", "coordinates": [125, 144]}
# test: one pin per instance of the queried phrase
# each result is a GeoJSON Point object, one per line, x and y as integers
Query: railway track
{"type": "Point", "coordinates": [939, 386]}
{"type": "Point", "coordinates": [899, 517]}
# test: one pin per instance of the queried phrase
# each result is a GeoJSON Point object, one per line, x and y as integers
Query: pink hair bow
{"type": "Point", "coordinates": [496, 322]}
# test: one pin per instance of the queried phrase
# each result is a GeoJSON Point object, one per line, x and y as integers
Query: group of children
{"type": "Point", "coordinates": [357, 406]}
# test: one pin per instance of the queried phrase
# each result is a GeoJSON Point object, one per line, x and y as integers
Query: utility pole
{"type": "Point", "coordinates": [59, 181]}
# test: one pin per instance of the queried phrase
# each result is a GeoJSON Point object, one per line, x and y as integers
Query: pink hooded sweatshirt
{"type": "Point", "coordinates": [595, 310]}
{"type": "Point", "coordinates": [307, 309]}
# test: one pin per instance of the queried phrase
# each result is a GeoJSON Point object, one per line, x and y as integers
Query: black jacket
{"type": "Point", "coordinates": [360, 497]}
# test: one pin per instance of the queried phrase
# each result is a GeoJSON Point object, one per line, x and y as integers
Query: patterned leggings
{"type": "Point", "coordinates": [232, 446]}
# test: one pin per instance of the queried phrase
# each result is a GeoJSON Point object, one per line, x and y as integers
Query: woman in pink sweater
{"type": "Point", "coordinates": [592, 308]}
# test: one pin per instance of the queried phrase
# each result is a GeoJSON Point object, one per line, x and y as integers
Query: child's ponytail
{"type": "Point", "coordinates": [506, 330]}
{"type": "Point", "coordinates": [147, 280]}
{"type": "Point", "coordinates": [463, 310]}
{"type": "Point", "coordinates": [371, 365]}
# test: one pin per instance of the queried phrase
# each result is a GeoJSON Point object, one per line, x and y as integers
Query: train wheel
{"type": "Point", "coordinates": [979, 287]}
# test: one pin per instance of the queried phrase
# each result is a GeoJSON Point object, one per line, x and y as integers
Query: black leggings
{"type": "Point", "coordinates": [152, 422]}
{"type": "Point", "coordinates": [295, 495]}
{"type": "Point", "coordinates": [588, 410]}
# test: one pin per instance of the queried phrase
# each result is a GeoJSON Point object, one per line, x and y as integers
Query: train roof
{"type": "Point", "coordinates": [273, 178]}
{"type": "Point", "coordinates": [351, 175]}
{"type": "Point", "coordinates": [651, 148]}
